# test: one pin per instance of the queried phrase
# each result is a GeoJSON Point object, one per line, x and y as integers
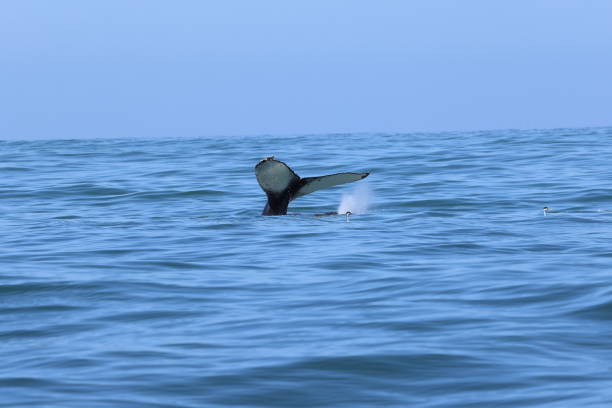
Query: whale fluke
{"type": "Point", "coordinates": [312, 184]}
{"type": "Point", "coordinates": [282, 185]}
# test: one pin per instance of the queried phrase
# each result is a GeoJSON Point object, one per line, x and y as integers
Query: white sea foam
{"type": "Point", "coordinates": [357, 201]}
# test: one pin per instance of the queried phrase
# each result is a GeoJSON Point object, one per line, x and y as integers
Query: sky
{"type": "Point", "coordinates": [191, 68]}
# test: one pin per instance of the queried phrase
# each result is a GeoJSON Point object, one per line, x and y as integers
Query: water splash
{"type": "Point", "coordinates": [357, 201]}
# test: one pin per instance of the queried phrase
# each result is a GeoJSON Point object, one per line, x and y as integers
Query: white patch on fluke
{"type": "Point", "coordinates": [273, 175]}
{"type": "Point", "coordinates": [357, 201]}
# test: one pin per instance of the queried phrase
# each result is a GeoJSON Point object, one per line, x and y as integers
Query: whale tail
{"type": "Point", "coordinates": [311, 184]}
{"type": "Point", "coordinates": [282, 185]}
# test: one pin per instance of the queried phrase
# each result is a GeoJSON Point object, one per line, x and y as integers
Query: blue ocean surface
{"type": "Point", "coordinates": [140, 273]}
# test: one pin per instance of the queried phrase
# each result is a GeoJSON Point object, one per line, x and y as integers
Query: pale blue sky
{"type": "Point", "coordinates": [123, 68]}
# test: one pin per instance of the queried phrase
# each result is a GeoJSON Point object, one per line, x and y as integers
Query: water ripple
{"type": "Point", "coordinates": [139, 273]}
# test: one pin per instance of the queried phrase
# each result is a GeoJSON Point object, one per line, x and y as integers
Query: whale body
{"type": "Point", "coordinates": [282, 185]}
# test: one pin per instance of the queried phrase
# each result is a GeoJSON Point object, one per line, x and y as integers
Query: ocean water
{"type": "Point", "coordinates": [140, 273]}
